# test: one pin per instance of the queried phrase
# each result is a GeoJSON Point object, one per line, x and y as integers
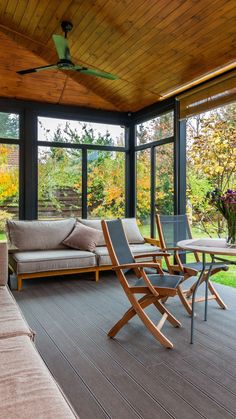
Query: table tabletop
{"type": "Point", "coordinates": [208, 246]}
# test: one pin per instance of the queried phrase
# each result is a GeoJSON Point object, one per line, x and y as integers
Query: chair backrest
{"type": "Point", "coordinates": [172, 228]}
{"type": "Point", "coordinates": [117, 243]}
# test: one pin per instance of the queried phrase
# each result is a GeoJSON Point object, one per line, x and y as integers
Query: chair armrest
{"type": "Point", "coordinates": [153, 241]}
{"type": "Point", "coordinates": [136, 265]}
{"type": "Point", "coordinates": [150, 255]}
{"type": "Point", "coordinates": [171, 248]}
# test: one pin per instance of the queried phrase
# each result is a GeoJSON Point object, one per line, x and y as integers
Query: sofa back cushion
{"type": "Point", "coordinates": [130, 226]}
{"type": "Point", "coordinates": [39, 235]}
{"type": "Point", "coordinates": [132, 231]}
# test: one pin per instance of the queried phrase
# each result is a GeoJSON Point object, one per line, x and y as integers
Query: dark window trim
{"type": "Point", "coordinates": [155, 143]}
{"type": "Point", "coordinates": [9, 141]}
{"type": "Point", "coordinates": [64, 111]}
{"type": "Point", "coordinates": [81, 146]}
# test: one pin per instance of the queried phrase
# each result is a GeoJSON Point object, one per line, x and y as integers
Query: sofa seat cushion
{"type": "Point", "coordinates": [12, 322]}
{"type": "Point", "coordinates": [39, 235]}
{"type": "Point", "coordinates": [27, 389]}
{"type": "Point", "coordinates": [136, 249]}
{"type": "Point", "coordinates": [51, 260]}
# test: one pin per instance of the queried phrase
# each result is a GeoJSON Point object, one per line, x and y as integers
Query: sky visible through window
{"type": "Point", "coordinates": [117, 132]}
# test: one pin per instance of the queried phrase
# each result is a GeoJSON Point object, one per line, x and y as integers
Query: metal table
{"type": "Point", "coordinates": [216, 248]}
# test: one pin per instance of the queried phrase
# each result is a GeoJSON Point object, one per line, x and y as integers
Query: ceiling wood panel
{"type": "Point", "coordinates": [155, 47]}
{"type": "Point", "coordinates": [44, 86]}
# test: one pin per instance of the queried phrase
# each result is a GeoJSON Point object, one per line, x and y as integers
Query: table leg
{"type": "Point", "coordinates": [195, 291]}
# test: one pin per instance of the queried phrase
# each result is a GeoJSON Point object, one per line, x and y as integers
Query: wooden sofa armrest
{"type": "Point", "coordinates": [152, 241]}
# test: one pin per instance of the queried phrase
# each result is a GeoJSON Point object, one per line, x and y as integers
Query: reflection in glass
{"type": "Point", "coordinates": [9, 125]}
{"type": "Point", "coordinates": [106, 184]}
{"type": "Point", "coordinates": [143, 176]}
{"type": "Point", "coordinates": [155, 129]}
{"type": "Point", "coordinates": [79, 132]}
{"type": "Point", "coordinates": [59, 182]}
{"type": "Point", "coordinates": [9, 183]}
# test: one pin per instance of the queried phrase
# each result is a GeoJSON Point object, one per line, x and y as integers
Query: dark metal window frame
{"type": "Point", "coordinates": [28, 143]}
{"type": "Point", "coordinates": [179, 141]}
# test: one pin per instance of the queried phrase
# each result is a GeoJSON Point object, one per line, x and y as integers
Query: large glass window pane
{"type": "Point", "coordinates": [59, 182]}
{"type": "Point", "coordinates": [143, 176]}
{"type": "Point", "coordinates": [79, 132]}
{"type": "Point", "coordinates": [106, 184]}
{"type": "Point", "coordinates": [9, 183]}
{"type": "Point", "coordinates": [211, 163]}
{"type": "Point", "coordinates": [9, 125]}
{"type": "Point", "coordinates": [164, 193]}
{"type": "Point", "coordinates": [155, 129]}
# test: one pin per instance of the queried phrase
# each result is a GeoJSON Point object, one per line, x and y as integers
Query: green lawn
{"type": "Point", "coordinates": [2, 236]}
{"type": "Point", "coordinates": [225, 278]}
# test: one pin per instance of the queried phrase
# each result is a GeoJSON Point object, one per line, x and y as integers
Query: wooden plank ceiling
{"type": "Point", "coordinates": [155, 47]}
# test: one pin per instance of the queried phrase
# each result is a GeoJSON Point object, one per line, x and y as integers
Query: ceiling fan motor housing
{"type": "Point", "coordinates": [66, 26]}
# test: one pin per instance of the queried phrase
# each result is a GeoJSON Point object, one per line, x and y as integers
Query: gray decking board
{"type": "Point", "coordinates": [63, 372]}
{"type": "Point", "coordinates": [132, 376]}
{"type": "Point", "coordinates": [151, 383]}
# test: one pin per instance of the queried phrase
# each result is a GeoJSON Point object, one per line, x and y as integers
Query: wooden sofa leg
{"type": "Point", "coordinates": [97, 275]}
{"type": "Point", "coordinates": [19, 283]}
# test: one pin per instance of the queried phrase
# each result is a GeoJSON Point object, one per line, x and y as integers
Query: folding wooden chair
{"type": "Point", "coordinates": [154, 286]}
{"type": "Point", "coordinates": [171, 229]}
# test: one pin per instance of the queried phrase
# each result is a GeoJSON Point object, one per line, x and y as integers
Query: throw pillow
{"type": "Point", "coordinates": [83, 238]}
{"type": "Point", "coordinates": [94, 224]}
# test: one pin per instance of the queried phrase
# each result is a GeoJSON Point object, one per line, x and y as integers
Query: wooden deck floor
{"type": "Point", "coordinates": [132, 376]}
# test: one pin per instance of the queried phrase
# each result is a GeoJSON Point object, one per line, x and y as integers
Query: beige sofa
{"type": "Point", "coordinates": [27, 389]}
{"type": "Point", "coordinates": [37, 249]}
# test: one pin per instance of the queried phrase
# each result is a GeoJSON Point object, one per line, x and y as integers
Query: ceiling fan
{"type": "Point", "coordinates": [65, 63]}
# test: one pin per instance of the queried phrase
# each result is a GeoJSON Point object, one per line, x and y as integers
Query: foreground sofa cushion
{"type": "Point", "coordinates": [12, 322]}
{"type": "Point", "coordinates": [51, 260]}
{"type": "Point", "coordinates": [130, 226]}
{"type": "Point", "coordinates": [136, 249]}
{"type": "Point", "coordinates": [3, 262]}
{"type": "Point", "coordinates": [83, 238]}
{"type": "Point", "coordinates": [39, 235]}
{"type": "Point", "coordinates": [27, 389]}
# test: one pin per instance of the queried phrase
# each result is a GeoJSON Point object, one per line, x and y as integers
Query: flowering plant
{"type": "Point", "coordinates": [226, 204]}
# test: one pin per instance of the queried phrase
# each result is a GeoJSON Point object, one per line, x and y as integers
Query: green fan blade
{"type": "Point", "coordinates": [36, 69]}
{"type": "Point", "coordinates": [62, 48]}
{"type": "Point", "coordinates": [96, 73]}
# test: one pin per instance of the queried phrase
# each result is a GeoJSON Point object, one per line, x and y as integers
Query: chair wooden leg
{"type": "Point", "coordinates": [163, 310]}
{"type": "Point", "coordinates": [144, 302]}
{"type": "Point", "coordinates": [212, 291]}
{"type": "Point", "coordinates": [216, 295]}
{"type": "Point", "coordinates": [149, 324]}
{"type": "Point", "coordinates": [163, 300]}
{"type": "Point", "coordinates": [137, 308]}
{"type": "Point", "coordinates": [192, 288]}
{"type": "Point", "coordinates": [184, 301]}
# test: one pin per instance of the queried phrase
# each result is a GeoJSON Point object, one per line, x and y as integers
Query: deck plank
{"type": "Point", "coordinates": [132, 375]}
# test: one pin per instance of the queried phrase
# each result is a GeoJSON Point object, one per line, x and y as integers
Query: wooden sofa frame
{"type": "Point", "coordinates": [45, 274]}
